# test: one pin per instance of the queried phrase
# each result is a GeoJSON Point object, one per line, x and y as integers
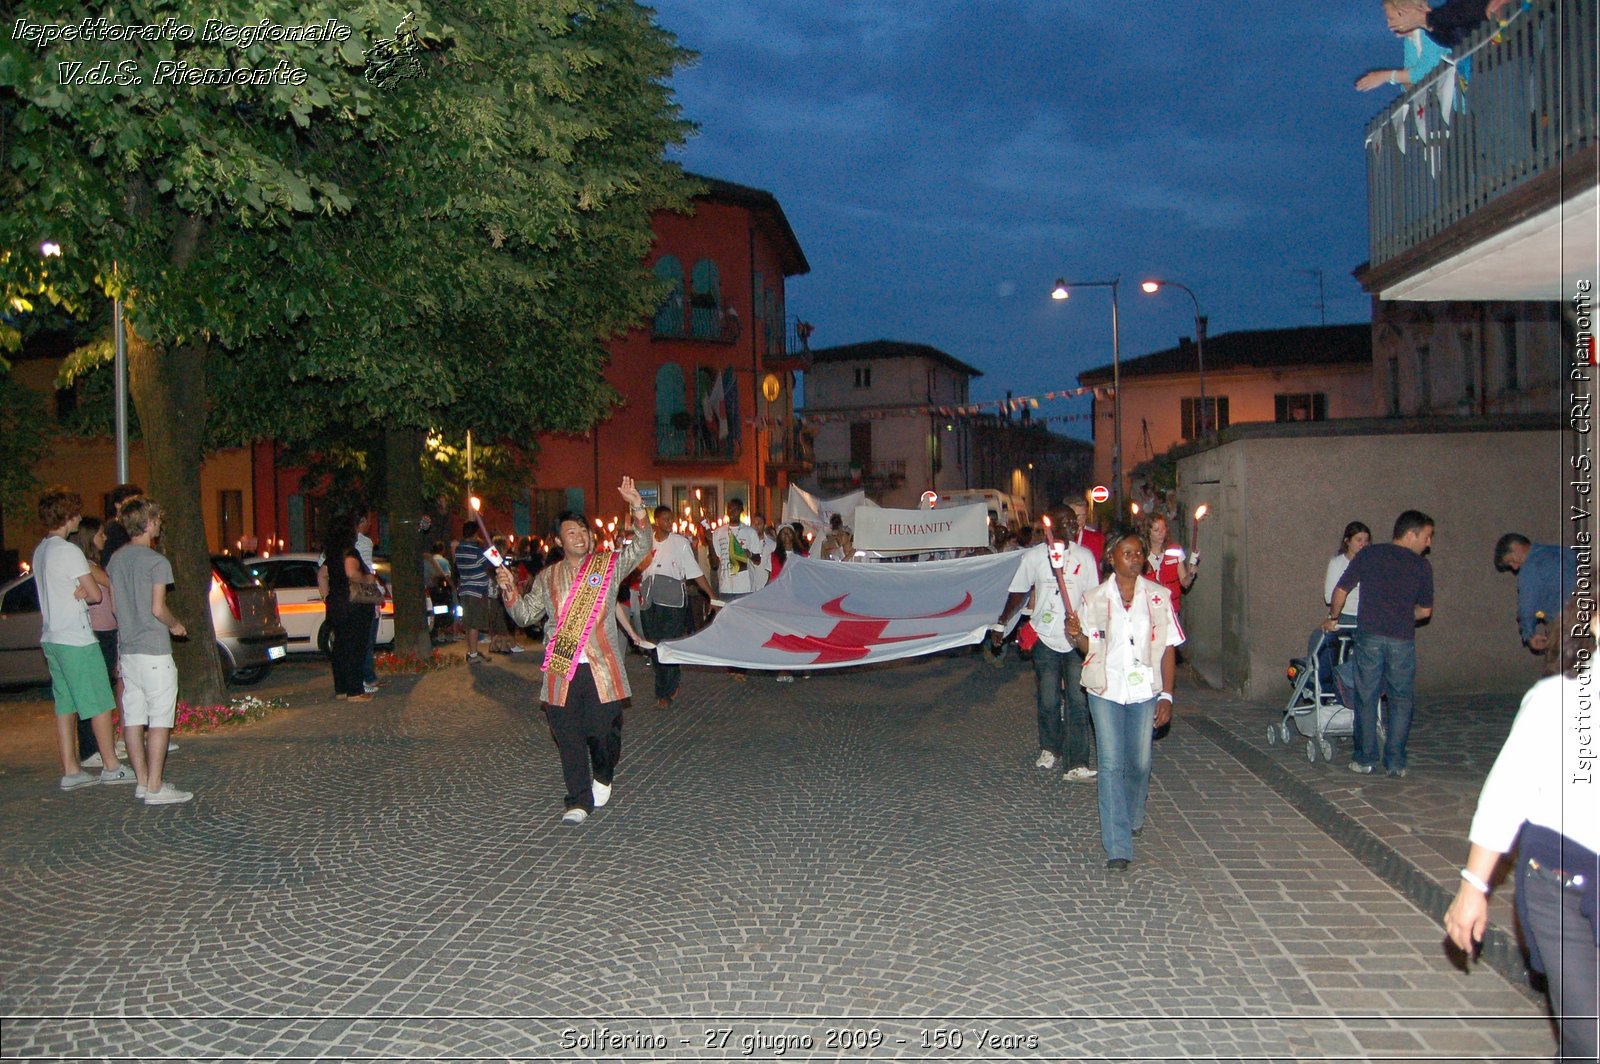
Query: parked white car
{"type": "Point", "coordinates": [293, 579]}
{"type": "Point", "coordinates": [249, 635]}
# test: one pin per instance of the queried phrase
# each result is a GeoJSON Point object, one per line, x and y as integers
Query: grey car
{"type": "Point", "coordinates": [250, 637]}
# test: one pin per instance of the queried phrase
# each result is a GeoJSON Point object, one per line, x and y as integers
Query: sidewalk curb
{"type": "Point", "coordinates": [1500, 950]}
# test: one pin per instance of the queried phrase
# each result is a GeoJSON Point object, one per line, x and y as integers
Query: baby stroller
{"type": "Point", "coordinates": [1321, 704]}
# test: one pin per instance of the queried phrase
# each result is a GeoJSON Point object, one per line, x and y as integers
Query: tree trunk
{"type": "Point", "coordinates": [403, 487]}
{"type": "Point", "coordinates": [168, 386]}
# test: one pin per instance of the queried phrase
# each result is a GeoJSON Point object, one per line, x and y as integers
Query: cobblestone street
{"type": "Point", "coordinates": [865, 864]}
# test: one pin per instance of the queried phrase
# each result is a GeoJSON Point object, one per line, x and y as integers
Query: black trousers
{"type": "Point", "coordinates": [588, 734]}
{"type": "Point", "coordinates": [665, 622]}
{"type": "Point", "coordinates": [349, 651]}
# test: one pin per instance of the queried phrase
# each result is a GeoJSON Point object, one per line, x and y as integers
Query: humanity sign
{"type": "Point", "coordinates": [914, 531]}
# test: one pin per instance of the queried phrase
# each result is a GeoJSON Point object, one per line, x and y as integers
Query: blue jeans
{"type": "Point", "coordinates": [1384, 666]}
{"type": "Point", "coordinates": [1123, 735]}
{"type": "Point", "coordinates": [1062, 704]}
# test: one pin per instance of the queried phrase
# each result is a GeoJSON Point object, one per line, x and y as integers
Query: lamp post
{"type": "Point", "coordinates": [50, 250]}
{"type": "Point", "coordinates": [1063, 290]}
{"type": "Point", "coordinates": [1203, 421]}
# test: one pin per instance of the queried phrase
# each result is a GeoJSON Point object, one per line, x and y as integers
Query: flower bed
{"type": "Point", "coordinates": [413, 663]}
{"type": "Point", "coordinates": [193, 720]}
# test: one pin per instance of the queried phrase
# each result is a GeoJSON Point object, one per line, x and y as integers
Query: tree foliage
{"type": "Point", "coordinates": [328, 256]}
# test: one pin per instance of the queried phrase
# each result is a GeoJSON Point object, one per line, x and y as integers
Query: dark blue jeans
{"type": "Point", "coordinates": [662, 623]}
{"type": "Point", "coordinates": [1384, 666]}
{"type": "Point", "coordinates": [1123, 732]}
{"type": "Point", "coordinates": [1063, 705]}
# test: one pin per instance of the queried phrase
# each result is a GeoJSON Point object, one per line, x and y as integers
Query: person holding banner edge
{"type": "Point", "coordinates": [585, 683]}
{"type": "Point", "coordinates": [669, 567]}
{"type": "Point", "coordinates": [1056, 574]}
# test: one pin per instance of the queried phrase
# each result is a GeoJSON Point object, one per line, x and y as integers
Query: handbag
{"type": "Point", "coordinates": [660, 590]}
{"type": "Point", "coordinates": [364, 594]}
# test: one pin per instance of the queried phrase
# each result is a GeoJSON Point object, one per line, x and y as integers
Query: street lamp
{"type": "Point", "coordinates": [1200, 320]}
{"type": "Point", "coordinates": [1063, 290]}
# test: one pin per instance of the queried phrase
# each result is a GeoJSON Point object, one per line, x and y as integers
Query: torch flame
{"type": "Point", "coordinates": [476, 503]}
{"type": "Point", "coordinates": [1201, 511]}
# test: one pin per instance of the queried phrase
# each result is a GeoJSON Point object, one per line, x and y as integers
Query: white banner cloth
{"type": "Point", "coordinates": [886, 530]}
{"type": "Point", "coordinates": [822, 615]}
{"type": "Point", "coordinates": [813, 512]}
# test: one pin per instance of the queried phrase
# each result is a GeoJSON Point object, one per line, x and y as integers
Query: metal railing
{"type": "Point", "coordinates": [882, 473]}
{"type": "Point", "coordinates": [790, 447]}
{"type": "Point", "coordinates": [694, 442]}
{"type": "Point", "coordinates": [1452, 145]}
{"type": "Point", "coordinates": [711, 324]}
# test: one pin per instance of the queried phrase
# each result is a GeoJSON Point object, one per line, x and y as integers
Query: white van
{"type": "Point", "coordinates": [1004, 509]}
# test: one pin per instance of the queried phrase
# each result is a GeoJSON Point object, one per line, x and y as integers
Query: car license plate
{"type": "Point", "coordinates": [274, 653]}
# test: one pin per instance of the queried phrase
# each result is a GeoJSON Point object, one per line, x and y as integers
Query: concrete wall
{"type": "Point", "coordinates": [1280, 497]}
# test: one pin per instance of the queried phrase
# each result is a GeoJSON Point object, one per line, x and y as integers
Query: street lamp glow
{"type": "Point", "coordinates": [1061, 291]}
{"type": "Point", "coordinates": [1152, 287]}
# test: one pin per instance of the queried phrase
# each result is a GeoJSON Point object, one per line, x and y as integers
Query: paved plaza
{"type": "Point", "coordinates": [861, 865]}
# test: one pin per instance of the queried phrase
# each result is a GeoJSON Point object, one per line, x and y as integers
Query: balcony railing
{"type": "Point", "coordinates": [677, 441]}
{"type": "Point", "coordinates": [790, 448]}
{"type": "Point", "coordinates": [889, 474]}
{"type": "Point", "coordinates": [1445, 150]}
{"type": "Point", "coordinates": [710, 324]}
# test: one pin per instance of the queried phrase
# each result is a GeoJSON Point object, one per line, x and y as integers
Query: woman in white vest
{"type": "Point", "coordinates": [1127, 633]}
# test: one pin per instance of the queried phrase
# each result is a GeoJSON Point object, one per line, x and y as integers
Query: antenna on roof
{"type": "Point", "coordinates": [1322, 296]}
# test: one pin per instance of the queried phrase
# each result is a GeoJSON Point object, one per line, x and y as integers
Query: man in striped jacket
{"type": "Point", "coordinates": [585, 683]}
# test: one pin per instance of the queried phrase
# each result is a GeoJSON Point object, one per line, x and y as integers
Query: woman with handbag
{"type": "Point", "coordinates": [1128, 635]}
{"type": "Point", "coordinates": [350, 593]}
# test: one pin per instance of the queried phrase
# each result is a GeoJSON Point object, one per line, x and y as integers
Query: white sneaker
{"type": "Point", "coordinates": [1081, 774]}
{"type": "Point", "coordinates": [516, 649]}
{"type": "Point", "coordinates": [167, 795]}
{"type": "Point", "coordinates": [602, 794]}
{"type": "Point", "coordinates": [138, 792]}
{"type": "Point", "coordinates": [574, 816]}
{"type": "Point", "coordinates": [1046, 760]}
{"type": "Point", "coordinates": [94, 760]}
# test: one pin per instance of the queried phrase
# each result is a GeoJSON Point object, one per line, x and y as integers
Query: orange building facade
{"type": "Point", "coordinates": [707, 390]}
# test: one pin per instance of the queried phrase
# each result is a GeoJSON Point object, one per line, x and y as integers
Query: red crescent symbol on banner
{"type": "Point", "coordinates": [835, 608]}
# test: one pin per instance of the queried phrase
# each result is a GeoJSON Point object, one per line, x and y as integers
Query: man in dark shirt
{"type": "Point", "coordinates": [1396, 584]}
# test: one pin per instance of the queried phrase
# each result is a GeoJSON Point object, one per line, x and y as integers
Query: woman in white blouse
{"type": "Point", "coordinates": [1356, 536]}
{"type": "Point", "coordinates": [1127, 633]}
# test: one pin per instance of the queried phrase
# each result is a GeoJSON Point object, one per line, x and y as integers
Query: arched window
{"type": "Point", "coordinates": [669, 319]}
{"type": "Point", "coordinates": [705, 301]}
{"type": "Point", "coordinates": [672, 415]}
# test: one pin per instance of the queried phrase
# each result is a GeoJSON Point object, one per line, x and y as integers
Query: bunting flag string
{"type": "Point", "coordinates": [1444, 89]}
{"type": "Point", "coordinates": [1013, 405]}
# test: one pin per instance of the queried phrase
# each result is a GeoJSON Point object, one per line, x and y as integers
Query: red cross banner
{"type": "Point", "coordinates": [824, 615]}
